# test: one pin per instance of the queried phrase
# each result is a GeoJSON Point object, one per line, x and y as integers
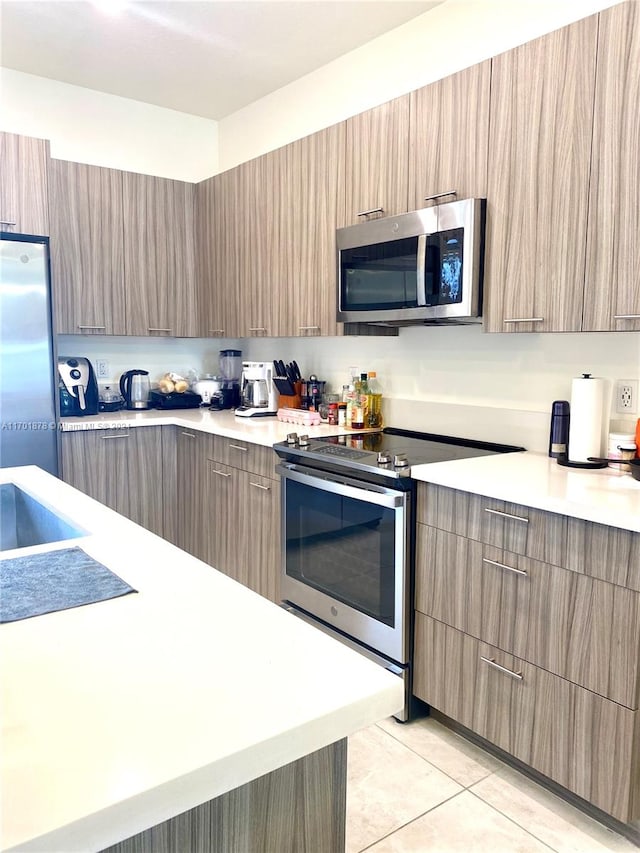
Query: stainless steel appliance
{"type": "Point", "coordinates": [419, 267]}
{"type": "Point", "coordinates": [28, 380]}
{"type": "Point", "coordinates": [135, 388]}
{"type": "Point", "coordinates": [348, 534]}
{"type": "Point", "coordinates": [258, 394]}
{"type": "Point", "coordinates": [77, 386]}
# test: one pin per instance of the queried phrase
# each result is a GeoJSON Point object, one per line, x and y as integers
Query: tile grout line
{"type": "Point", "coordinates": [515, 822]}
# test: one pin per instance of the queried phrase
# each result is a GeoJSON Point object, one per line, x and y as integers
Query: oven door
{"type": "Point", "coordinates": [346, 556]}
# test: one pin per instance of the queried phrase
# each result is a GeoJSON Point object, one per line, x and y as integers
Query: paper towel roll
{"type": "Point", "coordinates": [587, 413]}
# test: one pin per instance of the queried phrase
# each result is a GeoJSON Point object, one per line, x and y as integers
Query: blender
{"type": "Point", "coordinates": [227, 396]}
{"type": "Point", "coordinates": [257, 391]}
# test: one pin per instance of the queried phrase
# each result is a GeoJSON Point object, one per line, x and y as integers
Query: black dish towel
{"type": "Point", "coordinates": [56, 580]}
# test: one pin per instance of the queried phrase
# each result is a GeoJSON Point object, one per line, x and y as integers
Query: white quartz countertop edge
{"type": "Point", "coordinates": [121, 714]}
{"type": "Point", "coordinates": [604, 496]}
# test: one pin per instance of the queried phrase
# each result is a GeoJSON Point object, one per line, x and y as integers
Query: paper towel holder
{"type": "Point", "coordinates": [592, 463]}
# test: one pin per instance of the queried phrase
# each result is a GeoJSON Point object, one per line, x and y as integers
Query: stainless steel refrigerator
{"type": "Point", "coordinates": [28, 381]}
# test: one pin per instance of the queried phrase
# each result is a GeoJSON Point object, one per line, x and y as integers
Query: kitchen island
{"type": "Point", "coordinates": [122, 715]}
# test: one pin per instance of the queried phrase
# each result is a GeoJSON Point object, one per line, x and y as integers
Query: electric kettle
{"type": "Point", "coordinates": [135, 387]}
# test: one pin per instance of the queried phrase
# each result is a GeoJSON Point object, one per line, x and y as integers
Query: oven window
{"type": "Point", "coordinates": [380, 276]}
{"type": "Point", "coordinates": [343, 547]}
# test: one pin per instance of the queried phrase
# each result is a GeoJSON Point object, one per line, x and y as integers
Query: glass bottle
{"type": "Point", "coordinates": [374, 408]}
{"type": "Point", "coordinates": [358, 412]}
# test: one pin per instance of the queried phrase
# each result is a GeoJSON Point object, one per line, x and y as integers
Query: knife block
{"type": "Point", "coordinates": [288, 401]}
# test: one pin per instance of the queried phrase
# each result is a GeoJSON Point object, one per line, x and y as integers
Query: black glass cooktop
{"type": "Point", "coordinates": [389, 453]}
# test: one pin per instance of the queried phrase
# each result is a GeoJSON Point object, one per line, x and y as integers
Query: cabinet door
{"type": "Point", "coordinates": [376, 169]}
{"type": "Point", "coordinates": [612, 285]}
{"type": "Point", "coordinates": [218, 255]}
{"type": "Point", "coordinates": [223, 511]}
{"type": "Point", "coordinates": [23, 190]}
{"type": "Point", "coordinates": [259, 535]}
{"type": "Point", "coordinates": [159, 256]}
{"type": "Point", "coordinates": [87, 260]}
{"type": "Point", "coordinates": [193, 519]}
{"type": "Point", "coordinates": [121, 468]}
{"type": "Point", "coordinates": [449, 135]}
{"type": "Point", "coordinates": [312, 195]}
{"type": "Point", "coordinates": [539, 155]}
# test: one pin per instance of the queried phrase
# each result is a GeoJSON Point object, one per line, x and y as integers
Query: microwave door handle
{"type": "Point", "coordinates": [421, 295]}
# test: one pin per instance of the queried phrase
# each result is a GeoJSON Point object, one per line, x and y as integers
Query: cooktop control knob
{"type": "Point", "coordinates": [292, 438]}
{"type": "Point", "coordinates": [383, 457]}
{"type": "Point", "coordinates": [303, 441]}
{"type": "Point", "coordinates": [400, 460]}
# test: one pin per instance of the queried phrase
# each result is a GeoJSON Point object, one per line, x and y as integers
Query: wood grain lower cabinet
{"type": "Point", "coordinates": [193, 516]}
{"type": "Point", "coordinates": [584, 742]}
{"type": "Point", "coordinates": [612, 283]}
{"type": "Point", "coordinates": [542, 96]}
{"type": "Point", "coordinates": [159, 256]}
{"type": "Point", "coordinates": [87, 258]}
{"type": "Point", "coordinates": [121, 468]}
{"type": "Point", "coordinates": [24, 164]}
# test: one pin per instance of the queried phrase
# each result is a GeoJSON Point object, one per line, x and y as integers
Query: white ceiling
{"type": "Point", "coordinates": [209, 58]}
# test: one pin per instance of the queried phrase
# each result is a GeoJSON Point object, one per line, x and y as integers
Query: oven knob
{"type": "Point", "coordinates": [303, 441]}
{"type": "Point", "coordinates": [383, 458]}
{"type": "Point", "coordinates": [400, 461]}
{"type": "Point", "coordinates": [292, 438]}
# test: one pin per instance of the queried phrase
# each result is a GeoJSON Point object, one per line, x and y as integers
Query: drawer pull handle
{"type": "Point", "coordinates": [506, 515]}
{"type": "Point", "coordinates": [491, 662]}
{"type": "Point", "coordinates": [260, 486]}
{"type": "Point", "coordinates": [216, 331]}
{"type": "Point", "coordinates": [188, 434]}
{"type": "Point", "coordinates": [91, 327]}
{"type": "Point", "coordinates": [503, 566]}
{"type": "Point", "coordinates": [7, 222]}
{"type": "Point", "coordinates": [153, 329]}
{"type": "Point", "coordinates": [626, 316]}
{"type": "Point", "coordinates": [257, 328]}
{"type": "Point", "coordinates": [238, 447]}
{"type": "Point", "coordinates": [219, 473]}
{"type": "Point", "coordinates": [523, 320]}
{"type": "Point", "coordinates": [308, 328]}
{"type": "Point", "coordinates": [369, 212]}
{"type": "Point", "coordinates": [119, 435]}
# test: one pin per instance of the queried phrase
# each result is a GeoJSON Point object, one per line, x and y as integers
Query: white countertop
{"type": "Point", "coordinates": [261, 430]}
{"type": "Point", "coordinates": [118, 715]}
{"type": "Point", "coordinates": [606, 496]}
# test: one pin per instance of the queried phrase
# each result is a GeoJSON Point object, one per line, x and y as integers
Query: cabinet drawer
{"type": "Point", "coordinates": [575, 737]}
{"type": "Point", "coordinates": [580, 628]}
{"type": "Point", "coordinates": [256, 458]}
{"type": "Point", "coordinates": [608, 553]}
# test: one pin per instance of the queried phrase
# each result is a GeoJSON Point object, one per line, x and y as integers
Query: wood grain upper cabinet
{"type": "Point", "coordinates": [612, 284]}
{"type": "Point", "coordinates": [218, 255]}
{"type": "Point", "coordinates": [87, 248]}
{"type": "Point", "coordinates": [159, 256]}
{"type": "Point", "coordinates": [312, 181]}
{"type": "Point", "coordinates": [539, 156]}
{"type": "Point", "coordinates": [376, 169]}
{"type": "Point", "coordinates": [449, 135]}
{"type": "Point", "coordinates": [23, 190]}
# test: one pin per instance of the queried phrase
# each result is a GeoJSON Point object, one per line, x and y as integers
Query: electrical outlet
{"type": "Point", "coordinates": [102, 368]}
{"type": "Point", "coordinates": [627, 396]}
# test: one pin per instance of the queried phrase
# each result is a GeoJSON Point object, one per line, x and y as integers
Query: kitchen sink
{"type": "Point", "coordinates": [24, 521]}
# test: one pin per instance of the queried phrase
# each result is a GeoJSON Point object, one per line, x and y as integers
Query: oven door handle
{"type": "Point", "coordinates": [345, 486]}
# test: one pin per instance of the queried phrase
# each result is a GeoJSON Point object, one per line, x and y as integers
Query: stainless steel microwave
{"type": "Point", "coordinates": [420, 267]}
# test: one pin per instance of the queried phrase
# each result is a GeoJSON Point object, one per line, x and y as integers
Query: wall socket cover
{"type": "Point", "coordinates": [102, 368]}
{"type": "Point", "coordinates": [627, 396]}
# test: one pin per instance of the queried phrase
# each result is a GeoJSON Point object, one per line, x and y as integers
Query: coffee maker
{"type": "Point", "coordinates": [258, 394]}
{"type": "Point", "coordinates": [77, 387]}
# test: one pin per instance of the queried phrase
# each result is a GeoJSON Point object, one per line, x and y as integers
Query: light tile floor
{"type": "Point", "coordinates": [418, 787]}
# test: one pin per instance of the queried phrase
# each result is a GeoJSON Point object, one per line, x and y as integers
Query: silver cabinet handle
{"type": "Point", "coordinates": [626, 316]}
{"type": "Point", "coordinates": [260, 486]}
{"type": "Point", "coordinates": [503, 669]}
{"type": "Point", "coordinates": [188, 434]}
{"type": "Point", "coordinates": [440, 195]}
{"type": "Point", "coordinates": [257, 329]}
{"type": "Point", "coordinates": [220, 473]}
{"type": "Point", "coordinates": [91, 327]}
{"type": "Point", "coordinates": [153, 329]}
{"type": "Point", "coordinates": [307, 328]}
{"type": "Point", "coordinates": [507, 515]}
{"type": "Point", "coordinates": [369, 212]}
{"type": "Point", "coordinates": [503, 566]}
{"type": "Point", "coordinates": [523, 320]}
{"type": "Point", "coordinates": [7, 222]}
{"type": "Point", "coordinates": [216, 331]}
{"type": "Point", "coordinates": [239, 447]}
{"type": "Point", "coordinates": [119, 435]}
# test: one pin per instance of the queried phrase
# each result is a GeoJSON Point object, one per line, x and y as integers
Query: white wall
{"type": "Point", "coordinates": [106, 130]}
{"type": "Point", "coordinates": [452, 36]}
